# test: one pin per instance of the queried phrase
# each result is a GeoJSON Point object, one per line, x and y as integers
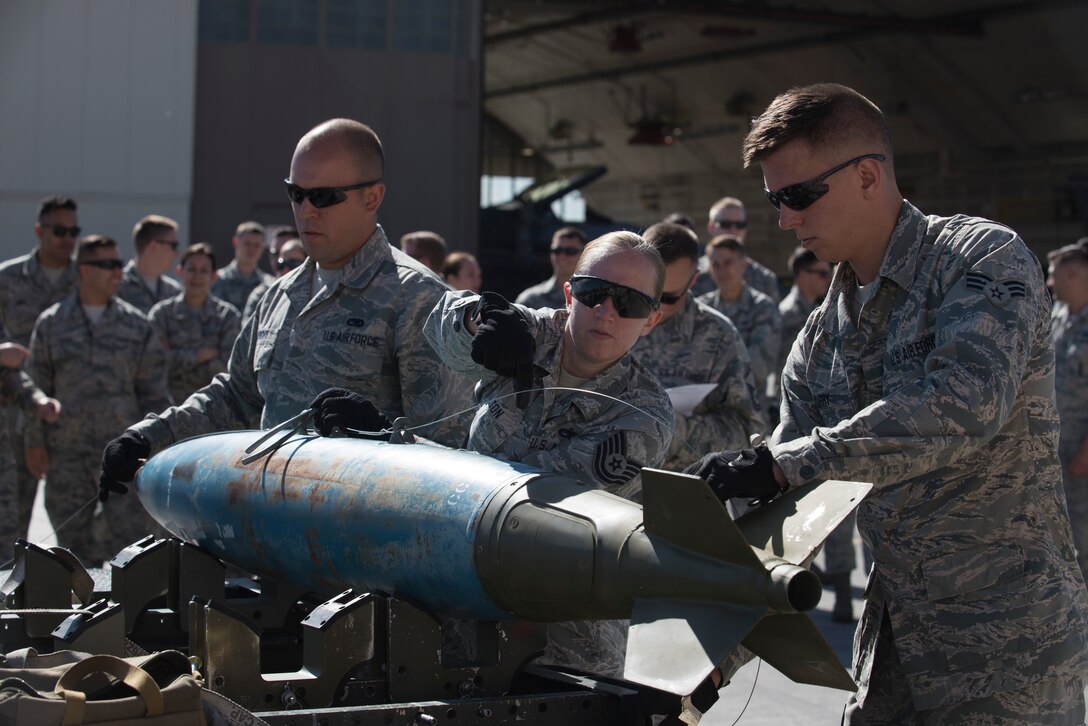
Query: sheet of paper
{"type": "Point", "coordinates": [686, 398]}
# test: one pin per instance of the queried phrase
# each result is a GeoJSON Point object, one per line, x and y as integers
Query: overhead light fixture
{"type": "Point", "coordinates": [651, 132]}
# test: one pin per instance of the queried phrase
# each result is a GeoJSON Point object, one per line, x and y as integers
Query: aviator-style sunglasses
{"type": "Point", "coordinates": [804, 194]}
{"type": "Point", "coordinates": [104, 264]}
{"type": "Point", "coordinates": [629, 303]}
{"type": "Point", "coordinates": [59, 230]}
{"type": "Point", "coordinates": [322, 197]}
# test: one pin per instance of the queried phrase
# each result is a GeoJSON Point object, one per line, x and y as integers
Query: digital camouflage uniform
{"type": "Point", "coordinates": [234, 287]}
{"type": "Point", "coordinates": [184, 331]}
{"type": "Point", "coordinates": [756, 317]}
{"type": "Point", "coordinates": [943, 397]}
{"type": "Point", "coordinates": [1070, 336]}
{"type": "Point", "coordinates": [254, 299]}
{"type": "Point", "coordinates": [106, 376]}
{"type": "Point", "coordinates": [136, 293]}
{"type": "Point", "coordinates": [547, 294]}
{"type": "Point", "coordinates": [595, 440]}
{"type": "Point", "coordinates": [756, 276]}
{"type": "Point", "coordinates": [25, 291]}
{"type": "Point", "coordinates": [17, 391]}
{"type": "Point", "coordinates": [364, 335]}
{"type": "Point", "coordinates": [700, 345]}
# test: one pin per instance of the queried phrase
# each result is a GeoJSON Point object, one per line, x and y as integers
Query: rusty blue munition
{"type": "Point", "coordinates": [468, 536]}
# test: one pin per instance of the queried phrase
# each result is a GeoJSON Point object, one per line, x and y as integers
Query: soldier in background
{"type": "Point", "coordinates": [350, 317]}
{"type": "Point", "coordinates": [755, 314]}
{"type": "Point", "coordinates": [145, 282]}
{"type": "Point", "coordinates": [291, 256]}
{"type": "Point", "coordinates": [728, 216]}
{"type": "Point", "coordinates": [928, 371]}
{"type": "Point", "coordinates": [1068, 280]}
{"type": "Point", "coordinates": [694, 343]}
{"type": "Point", "coordinates": [17, 390]}
{"type": "Point", "coordinates": [240, 276]}
{"type": "Point", "coordinates": [462, 272]}
{"type": "Point", "coordinates": [427, 248]}
{"type": "Point", "coordinates": [28, 285]}
{"type": "Point", "coordinates": [100, 358]}
{"type": "Point", "coordinates": [565, 250]}
{"type": "Point", "coordinates": [196, 328]}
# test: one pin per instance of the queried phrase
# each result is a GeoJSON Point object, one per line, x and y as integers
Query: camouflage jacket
{"type": "Point", "coordinates": [184, 331]}
{"type": "Point", "coordinates": [254, 299]}
{"type": "Point", "coordinates": [593, 439]}
{"type": "Point", "coordinates": [16, 388]}
{"type": "Point", "coordinates": [547, 294]}
{"type": "Point", "coordinates": [700, 345]}
{"type": "Point", "coordinates": [364, 334]}
{"type": "Point", "coordinates": [756, 317]}
{"type": "Point", "coordinates": [233, 288]}
{"type": "Point", "coordinates": [942, 395]}
{"type": "Point", "coordinates": [1070, 336]}
{"type": "Point", "coordinates": [794, 311]}
{"type": "Point", "coordinates": [756, 276]}
{"type": "Point", "coordinates": [106, 376]}
{"type": "Point", "coordinates": [26, 291]}
{"type": "Point", "coordinates": [136, 293]}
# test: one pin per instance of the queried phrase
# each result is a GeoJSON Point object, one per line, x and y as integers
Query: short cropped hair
{"type": "Point", "coordinates": [569, 231]}
{"type": "Point", "coordinates": [673, 242]}
{"type": "Point", "coordinates": [682, 219]}
{"type": "Point", "coordinates": [1074, 253]}
{"type": "Point", "coordinates": [358, 140]}
{"type": "Point", "coordinates": [430, 244]}
{"type": "Point", "coordinates": [824, 115]}
{"type": "Point", "coordinates": [726, 241]}
{"type": "Point", "coordinates": [200, 248]}
{"type": "Point", "coordinates": [149, 228]}
{"type": "Point", "coordinates": [51, 204]}
{"type": "Point", "coordinates": [618, 242]}
{"type": "Point", "coordinates": [800, 259]}
{"type": "Point", "coordinates": [724, 203]}
{"type": "Point", "coordinates": [453, 264]}
{"type": "Point", "coordinates": [87, 246]}
{"type": "Point", "coordinates": [249, 228]}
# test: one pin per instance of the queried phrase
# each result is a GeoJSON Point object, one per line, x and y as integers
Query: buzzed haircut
{"type": "Point", "coordinates": [726, 241]}
{"type": "Point", "coordinates": [51, 204]}
{"type": "Point", "coordinates": [724, 203]}
{"type": "Point", "coordinates": [824, 116]}
{"type": "Point", "coordinates": [249, 228]}
{"type": "Point", "coordinates": [801, 258]}
{"type": "Point", "coordinates": [673, 242]}
{"type": "Point", "coordinates": [200, 248]}
{"type": "Point", "coordinates": [618, 242]}
{"type": "Point", "coordinates": [570, 231]}
{"type": "Point", "coordinates": [149, 228]}
{"type": "Point", "coordinates": [454, 263]}
{"type": "Point", "coordinates": [430, 245]}
{"type": "Point", "coordinates": [358, 139]}
{"type": "Point", "coordinates": [682, 219]}
{"type": "Point", "coordinates": [87, 246]}
{"type": "Point", "coordinates": [1075, 253]}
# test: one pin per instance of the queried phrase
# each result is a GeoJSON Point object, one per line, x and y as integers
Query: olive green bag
{"type": "Point", "coordinates": [67, 688]}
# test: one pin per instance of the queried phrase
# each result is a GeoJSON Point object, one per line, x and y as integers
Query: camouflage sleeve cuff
{"type": "Point", "coordinates": [445, 330]}
{"type": "Point", "coordinates": [801, 460]}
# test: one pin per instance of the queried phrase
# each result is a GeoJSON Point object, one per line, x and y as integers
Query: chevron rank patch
{"type": "Point", "coordinates": [999, 292]}
{"type": "Point", "coordinates": [611, 464]}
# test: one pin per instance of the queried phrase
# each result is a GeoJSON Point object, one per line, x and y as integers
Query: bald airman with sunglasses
{"type": "Point", "coordinates": [928, 371]}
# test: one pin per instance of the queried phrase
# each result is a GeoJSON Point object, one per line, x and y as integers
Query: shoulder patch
{"type": "Point", "coordinates": [999, 292]}
{"type": "Point", "coordinates": [611, 463]}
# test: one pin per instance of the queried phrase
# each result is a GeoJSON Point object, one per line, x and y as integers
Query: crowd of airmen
{"type": "Point", "coordinates": [639, 350]}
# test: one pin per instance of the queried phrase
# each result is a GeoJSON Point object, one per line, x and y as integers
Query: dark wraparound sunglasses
{"type": "Point", "coordinates": [322, 197]}
{"type": "Point", "coordinates": [629, 302]}
{"type": "Point", "coordinates": [670, 299]}
{"type": "Point", "coordinates": [804, 194]}
{"type": "Point", "coordinates": [569, 251]}
{"type": "Point", "coordinates": [284, 264]}
{"type": "Point", "coordinates": [730, 223]}
{"type": "Point", "coordinates": [59, 230]}
{"type": "Point", "coordinates": [104, 264]}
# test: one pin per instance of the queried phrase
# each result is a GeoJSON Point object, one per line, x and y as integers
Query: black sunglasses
{"type": "Point", "coordinates": [104, 264]}
{"type": "Point", "coordinates": [322, 197]}
{"type": "Point", "coordinates": [803, 194]}
{"type": "Point", "coordinates": [730, 223]}
{"type": "Point", "coordinates": [671, 299]}
{"type": "Point", "coordinates": [571, 251]}
{"type": "Point", "coordinates": [291, 264]}
{"type": "Point", "coordinates": [59, 230]}
{"type": "Point", "coordinates": [629, 302]}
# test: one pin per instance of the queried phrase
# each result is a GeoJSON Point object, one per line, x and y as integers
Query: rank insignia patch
{"type": "Point", "coordinates": [999, 292]}
{"type": "Point", "coordinates": [611, 464]}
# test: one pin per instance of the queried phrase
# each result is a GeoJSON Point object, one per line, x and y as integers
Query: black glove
{"type": "Point", "coordinates": [339, 407]}
{"type": "Point", "coordinates": [120, 461]}
{"type": "Point", "coordinates": [747, 473]}
{"type": "Point", "coordinates": [504, 344]}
